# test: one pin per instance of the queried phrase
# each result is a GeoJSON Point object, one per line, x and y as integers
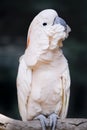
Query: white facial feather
{"type": "Point", "coordinates": [47, 16]}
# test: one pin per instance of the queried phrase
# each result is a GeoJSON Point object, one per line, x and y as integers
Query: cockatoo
{"type": "Point", "coordinates": [43, 80]}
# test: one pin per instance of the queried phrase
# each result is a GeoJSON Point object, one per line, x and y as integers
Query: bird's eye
{"type": "Point", "coordinates": [44, 24]}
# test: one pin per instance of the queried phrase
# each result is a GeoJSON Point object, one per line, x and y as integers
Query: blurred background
{"type": "Point", "coordinates": [15, 17]}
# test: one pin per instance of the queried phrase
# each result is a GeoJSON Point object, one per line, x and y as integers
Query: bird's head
{"type": "Point", "coordinates": [48, 30]}
{"type": "Point", "coordinates": [46, 33]}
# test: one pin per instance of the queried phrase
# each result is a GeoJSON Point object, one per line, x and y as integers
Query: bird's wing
{"type": "Point", "coordinates": [24, 78]}
{"type": "Point", "coordinates": [65, 82]}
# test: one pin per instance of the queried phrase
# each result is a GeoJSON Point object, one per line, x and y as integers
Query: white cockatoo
{"type": "Point", "coordinates": [43, 80]}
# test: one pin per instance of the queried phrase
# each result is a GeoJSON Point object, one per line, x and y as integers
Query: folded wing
{"type": "Point", "coordinates": [65, 83]}
{"type": "Point", "coordinates": [24, 78]}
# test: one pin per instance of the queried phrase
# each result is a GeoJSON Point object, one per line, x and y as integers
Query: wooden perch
{"type": "Point", "coordinates": [65, 124]}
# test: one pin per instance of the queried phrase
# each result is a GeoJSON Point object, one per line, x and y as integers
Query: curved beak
{"type": "Point", "coordinates": [61, 21]}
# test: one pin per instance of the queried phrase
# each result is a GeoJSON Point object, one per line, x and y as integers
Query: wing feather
{"type": "Point", "coordinates": [24, 78]}
{"type": "Point", "coordinates": [65, 82]}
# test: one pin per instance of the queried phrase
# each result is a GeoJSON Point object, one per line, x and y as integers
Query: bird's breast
{"type": "Point", "coordinates": [46, 82]}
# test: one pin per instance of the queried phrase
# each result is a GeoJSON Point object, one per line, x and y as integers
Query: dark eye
{"type": "Point", "coordinates": [44, 24]}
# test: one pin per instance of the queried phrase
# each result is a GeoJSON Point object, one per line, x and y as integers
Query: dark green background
{"type": "Point", "coordinates": [15, 17]}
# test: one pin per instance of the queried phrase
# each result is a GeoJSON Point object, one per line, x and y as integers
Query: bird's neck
{"type": "Point", "coordinates": [50, 55]}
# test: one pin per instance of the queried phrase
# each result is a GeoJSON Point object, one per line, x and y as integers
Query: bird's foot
{"type": "Point", "coordinates": [53, 120]}
{"type": "Point", "coordinates": [43, 121]}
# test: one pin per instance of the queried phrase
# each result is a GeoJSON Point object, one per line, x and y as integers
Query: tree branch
{"type": "Point", "coordinates": [7, 123]}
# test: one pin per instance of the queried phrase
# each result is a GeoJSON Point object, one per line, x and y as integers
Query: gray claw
{"type": "Point", "coordinates": [53, 120]}
{"type": "Point", "coordinates": [43, 121]}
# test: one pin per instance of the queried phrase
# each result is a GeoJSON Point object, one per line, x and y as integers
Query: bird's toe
{"type": "Point", "coordinates": [43, 121]}
{"type": "Point", "coordinates": [53, 120]}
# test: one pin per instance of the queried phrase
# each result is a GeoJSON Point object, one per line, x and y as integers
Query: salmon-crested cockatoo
{"type": "Point", "coordinates": [43, 80]}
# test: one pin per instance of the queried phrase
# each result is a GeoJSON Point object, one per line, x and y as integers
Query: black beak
{"type": "Point", "coordinates": [59, 20]}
